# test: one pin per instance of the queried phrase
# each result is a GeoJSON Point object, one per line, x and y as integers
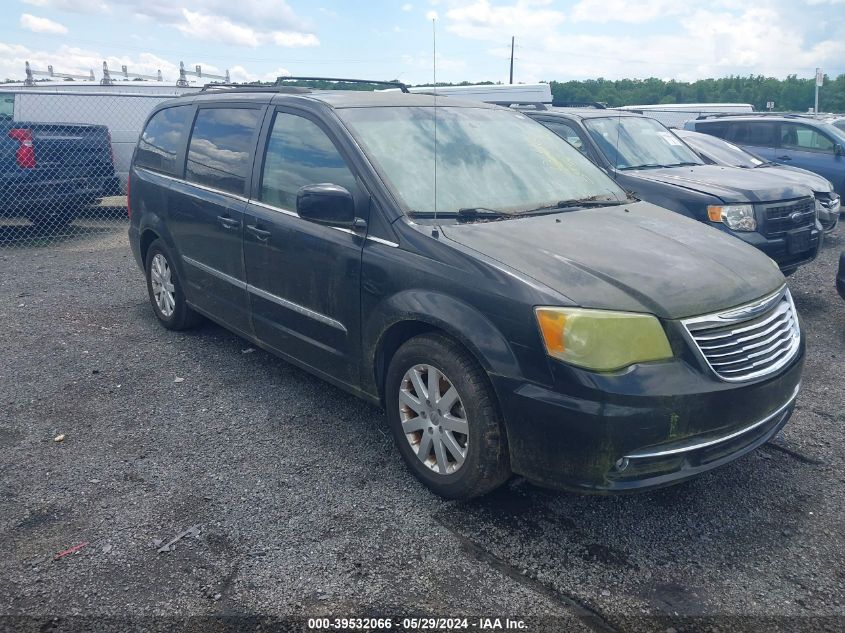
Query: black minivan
{"type": "Point", "coordinates": [510, 307]}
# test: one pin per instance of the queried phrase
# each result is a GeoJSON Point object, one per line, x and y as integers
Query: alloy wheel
{"type": "Point", "coordinates": [433, 419]}
{"type": "Point", "coordinates": [162, 283]}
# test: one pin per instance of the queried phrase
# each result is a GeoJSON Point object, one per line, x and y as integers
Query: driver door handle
{"type": "Point", "coordinates": [261, 234]}
{"type": "Point", "coordinates": [784, 157]}
{"type": "Point", "coordinates": [227, 222]}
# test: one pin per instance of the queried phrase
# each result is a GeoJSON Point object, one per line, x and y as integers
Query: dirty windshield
{"type": "Point", "coordinates": [631, 142]}
{"type": "Point", "coordinates": [489, 161]}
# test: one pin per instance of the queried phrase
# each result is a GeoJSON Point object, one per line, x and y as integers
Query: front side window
{"type": "Point", "coordinates": [299, 153]}
{"type": "Point", "coordinates": [162, 139]}
{"type": "Point", "coordinates": [630, 142]}
{"type": "Point", "coordinates": [220, 153]}
{"type": "Point", "coordinates": [804, 137]}
{"type": "Point", "coordinates": [567, 133]}
{"type": "Point", "coordinates": [7, 106]}
{"type": "Point", "coordinates": [482, 158]}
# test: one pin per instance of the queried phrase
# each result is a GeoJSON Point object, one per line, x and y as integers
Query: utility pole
{"type": "Point", "coordinates": [512, 39]}
{"type": "Point", "coordinates": [819, 82]}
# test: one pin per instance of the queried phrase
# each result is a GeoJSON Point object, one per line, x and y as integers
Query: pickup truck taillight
{"type": "Point", "coordinates": [25, 155]}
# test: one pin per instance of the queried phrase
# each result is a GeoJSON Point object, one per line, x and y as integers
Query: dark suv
{"type": "Point", "coordinates": [777, 216]}
{"type": "Point", "coordinates": [509, 306]}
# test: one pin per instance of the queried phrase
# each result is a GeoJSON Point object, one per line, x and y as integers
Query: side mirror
{"type": "Point", "coordinates": [837, 149]}
{"type": "Point", "coordinates": [326, 203]}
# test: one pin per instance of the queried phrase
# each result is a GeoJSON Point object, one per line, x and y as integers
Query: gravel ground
{"type": "Point", "coordinates": [303, 507]}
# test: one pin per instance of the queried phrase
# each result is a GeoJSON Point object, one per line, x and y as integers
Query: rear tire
{"type": "Point", "coordinates": [437, 394]}
{"type": "Point", "coordinates": [165, 290]}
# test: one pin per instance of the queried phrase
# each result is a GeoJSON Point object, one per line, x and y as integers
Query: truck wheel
{"type": "Point", "coordinates": [165, 290]}
{"type": "Point", "coordinates": [445, 419]}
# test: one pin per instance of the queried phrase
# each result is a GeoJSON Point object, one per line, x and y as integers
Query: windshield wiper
{"type": "Point", "coordinates": [579, 203]}
{"type": "Point", "coordinates": [645, 166]}
{"type": "Point", "coordinates": [684, 164]}
{"type": "Point", "coordinates": [466, 214]}
{"type": "Point", "coordinates": [470, 214]}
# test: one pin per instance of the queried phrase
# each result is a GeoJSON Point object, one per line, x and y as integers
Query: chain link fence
{"type": "Point", "coordinates": [64, 160]}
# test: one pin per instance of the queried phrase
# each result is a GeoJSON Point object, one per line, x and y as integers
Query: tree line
{"type": "Point", "coordinates": [791, 94]}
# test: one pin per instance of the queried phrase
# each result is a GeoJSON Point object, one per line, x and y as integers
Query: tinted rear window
{"type": "Point", "coordinates": [222, 143]}
{"type": "Point", "coordinates": [162, 139]}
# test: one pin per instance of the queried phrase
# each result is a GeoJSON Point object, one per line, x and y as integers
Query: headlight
{"type": "Point", "coordinates": [737, 217]}
{"type": "Point", "coordinates": [601, 340]}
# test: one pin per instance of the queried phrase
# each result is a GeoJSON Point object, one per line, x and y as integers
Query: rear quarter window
{"type": "Point", "coordinates": [221, 148]}
{"type": "Point", "coordinates": [719, 129]}
{"type": "Point", "coordinates": [162, 139]}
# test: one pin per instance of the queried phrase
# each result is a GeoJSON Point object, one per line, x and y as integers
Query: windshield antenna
{"type": "Point", "coordinates": [434, 76]}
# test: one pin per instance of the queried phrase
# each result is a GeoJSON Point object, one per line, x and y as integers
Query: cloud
{"type": "Point", "coordinates": [407, 7]}
{"type": "Point", "coordinates": [71, 6]}
{"type": "Point", "coordinates": [41, 25]}
{"type": "Point", "coordinates": [631, 11]}
{"type": "Point", "coordinates": [750, 41]}
{"type": "Point", "coordinates": [247, 23]}
{"type": "Point", "coordinates": [484, 21]}
{"type": "Point", "coordinates": [216, 28]}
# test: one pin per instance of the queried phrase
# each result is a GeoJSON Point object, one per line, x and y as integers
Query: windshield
{"type": "Point", "coordinates": [719, 151]}
{"type": "Point", "coordinates": [487, 159]}
{"type": "Point", "coordinates": [631, 142]}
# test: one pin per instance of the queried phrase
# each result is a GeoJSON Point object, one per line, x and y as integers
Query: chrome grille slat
{"type": "Point", "coordinates": [779, 334]}
{"type": "Point", "coordinates": [734, 331]}
{"type": "Point", "coordinates": [777, 324]}
{"type": "Point", "coordinates": [748, 342]}
{"type": "Point", "coordinates": [763, 352]}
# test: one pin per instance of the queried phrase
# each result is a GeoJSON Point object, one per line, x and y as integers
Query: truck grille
{"type": "Point", "coordinates": [784, 216]}
{"type": "Point", "coordinates": [751, 341]}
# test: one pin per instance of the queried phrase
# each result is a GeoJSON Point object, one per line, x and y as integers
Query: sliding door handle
{"type": "Point", "coordinates": [261, 234]}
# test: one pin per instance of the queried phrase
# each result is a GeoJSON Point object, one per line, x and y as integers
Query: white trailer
{"type": "Point", "coordinates": [122, 107]}
{"type": "Point", "coordinates": [492, 93]}
{"type": "Point", "coordinates": [676, 114]}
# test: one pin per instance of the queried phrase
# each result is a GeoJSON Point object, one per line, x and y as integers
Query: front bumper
{"type": "Point", "coordinates": [778, 248]}
{"type": "Point", "coordinates": [653, 425]}
{"type": "Point", "coordinates": [829, 211]}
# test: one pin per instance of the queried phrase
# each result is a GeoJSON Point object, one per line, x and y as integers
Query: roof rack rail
{"type": "Point", "coordinates": [788, 115]}
{"type": "Point", "coordinates": [581, 104]}
{"type": "Point", "coordinates": [526, 105]}
{"type": "Point", "coordinates": [253, 88]}
{"type": "Point", "coordinates": [395, 84]}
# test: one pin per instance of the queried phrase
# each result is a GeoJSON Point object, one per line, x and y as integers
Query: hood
{"type": "Point", "coordinates": [731, 184]}
{"type": "Point", "coordinates": [819, 184]}
{"type": "Point", "coordinates": [637, 257]}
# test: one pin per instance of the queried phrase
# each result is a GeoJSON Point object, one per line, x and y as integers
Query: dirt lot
{"type": "Point", "coordinates": [303, 508]}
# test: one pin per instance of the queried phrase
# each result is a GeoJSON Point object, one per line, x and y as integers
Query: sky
{"type": "Point", "coordinates": [383, 39]}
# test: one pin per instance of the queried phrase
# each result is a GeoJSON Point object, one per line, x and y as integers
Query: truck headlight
{"type": "Point", "coordinates": [737, 217]}
{"type": "Point", "coordinates": [601, 340]}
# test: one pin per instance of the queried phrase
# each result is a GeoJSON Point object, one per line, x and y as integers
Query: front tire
{"type": "Point", "coordinates": [165, 290]}
{"type": "Point", "coordinates": [445, 419]}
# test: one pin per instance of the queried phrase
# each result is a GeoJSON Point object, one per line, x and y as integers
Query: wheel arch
{"type": "Point", "coordinates": [448, 316]}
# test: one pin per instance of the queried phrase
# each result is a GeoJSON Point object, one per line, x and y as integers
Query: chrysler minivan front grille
{"type": "Point", "coordinates": [750, 341]}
